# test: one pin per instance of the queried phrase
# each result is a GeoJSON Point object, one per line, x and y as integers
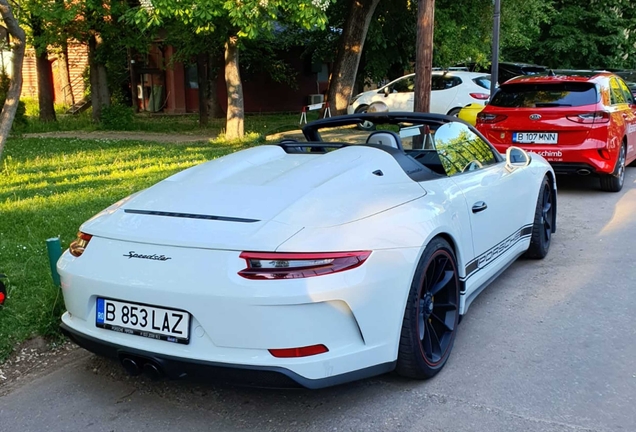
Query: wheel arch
{"type": "Point", "coordinates": [458, 108]}
{"type": "Point", "coordinates": [454, 244]}
{"type": "Point", "coordinates": [360, 107]}
{"type": "Point", "coordinates": [460, 262]}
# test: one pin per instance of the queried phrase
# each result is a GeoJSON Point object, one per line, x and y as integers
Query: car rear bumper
{"type": "Point", "coordinates": [177, 368]}
{"type": "Point", "coordinates": [356, 314]}
{"type": "Point", "coordinates": [561, 168]}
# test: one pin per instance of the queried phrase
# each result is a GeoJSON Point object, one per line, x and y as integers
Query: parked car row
{"type": "Point", "coordinates": [583, 124]}
{"type": "Point", "coordinates": [582, 121]}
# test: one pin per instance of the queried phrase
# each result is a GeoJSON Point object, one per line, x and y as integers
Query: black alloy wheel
{"type": "Point", "coordinates": [431, 315]}
{"type": "Point", "coordinates": [546, 214]}
{"type": "Point", "coordinates": [544, 219]}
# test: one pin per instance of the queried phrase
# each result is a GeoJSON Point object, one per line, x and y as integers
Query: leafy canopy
{"type": "Point", "coordinates": [243, 18]}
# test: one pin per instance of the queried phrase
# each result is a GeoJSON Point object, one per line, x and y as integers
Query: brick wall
{"type": "Point", "coordinates": [77, 63]}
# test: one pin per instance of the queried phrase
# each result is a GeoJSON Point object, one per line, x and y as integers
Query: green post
{"type": "Point", "coordinates": [54, 248]}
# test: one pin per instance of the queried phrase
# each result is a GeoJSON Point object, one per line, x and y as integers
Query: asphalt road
{"type": "Point", "coordinates": [550, 346]}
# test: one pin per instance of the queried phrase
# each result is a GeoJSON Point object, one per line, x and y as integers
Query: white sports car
{"type": "Point", "coordinates": [316, 262]}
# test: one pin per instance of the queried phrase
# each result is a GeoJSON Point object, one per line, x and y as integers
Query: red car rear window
{"type": "Point", "coordinates": [538, 95]}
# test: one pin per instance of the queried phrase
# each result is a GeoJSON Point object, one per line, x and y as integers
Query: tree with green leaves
{"type": "Point", "coordinates": [231, 23]}
{"type": "Point", "coordinates": [13, 95]}
{"type": "Point", "coordinates": [581, 34]}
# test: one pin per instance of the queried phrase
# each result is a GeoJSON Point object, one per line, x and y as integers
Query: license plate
{"type": "Point", "coordinates": [143, 320]}
{"type": "Point", "coordinates": [535, 137]}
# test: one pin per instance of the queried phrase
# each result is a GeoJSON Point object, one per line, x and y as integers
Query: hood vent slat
{"type": "Point", "coordinates": [191, 216]}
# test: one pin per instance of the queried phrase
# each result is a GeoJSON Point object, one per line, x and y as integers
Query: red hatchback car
{"type": "Point", "coordinates": [583, 125]}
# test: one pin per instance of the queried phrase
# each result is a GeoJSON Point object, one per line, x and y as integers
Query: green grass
{"type": "Point", "coordinates": [187, 123]}
{"type": "Point", "coordinates": [48, 187]}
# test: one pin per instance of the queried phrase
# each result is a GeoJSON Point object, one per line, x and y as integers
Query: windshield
{"type": "Point", "coordinates": [541, 95]}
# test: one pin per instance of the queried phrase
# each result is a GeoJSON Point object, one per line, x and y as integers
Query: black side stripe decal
{"type": "Point", "coordinates": [191, 216]}
{"type": "Point", "coordinates": [496, 251]}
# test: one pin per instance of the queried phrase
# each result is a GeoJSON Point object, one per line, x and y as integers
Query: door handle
{"type": "Point", "coordinates": [479, 206]}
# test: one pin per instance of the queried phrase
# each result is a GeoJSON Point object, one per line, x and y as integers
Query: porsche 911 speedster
{"type": "Point", "coordinates": [321, 259]}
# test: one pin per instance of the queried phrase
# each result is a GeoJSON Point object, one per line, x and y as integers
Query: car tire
{"type": "Point", "coordinates": [454, 112]}
{"type": "Point", "coordinates": [543, 224]}
{"type": "Point", "coordinates": [367, 125]}
{"type": "Point", "coordinates": [431, 315]}
{"type": "Point", "coordinates": [614, 182]}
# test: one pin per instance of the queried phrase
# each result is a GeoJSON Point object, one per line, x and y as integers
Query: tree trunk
{"type": "Point", "coordinates": [65, 76]}
{"type": "Point", "coordinates": [15, 88]}
{"type": "Point", "coordinates": [100, 96]}
{"type": "Point", "coordinates": [345, 68]}
{"type": "Point", "coordinates": [45, 87]}
{"type": "Point", "coordinates": [424, 55]}
{"type": "Point", "coordinates": [202, 80]}
{"type": "Point", "coordinates": [234, 126]}
{"type": "Point", "coordinates": [44, 73]}
{"type": "Point", "coordinates": [214, 107]}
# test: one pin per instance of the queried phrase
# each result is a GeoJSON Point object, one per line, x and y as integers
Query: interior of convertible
{"type": "Point", "coordinates": [442, 147]}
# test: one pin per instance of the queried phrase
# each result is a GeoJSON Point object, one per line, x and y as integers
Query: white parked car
{"type": "Point", "coordinates": [450, 91]}
{"type": "Point", "coordinates": [319, 262]}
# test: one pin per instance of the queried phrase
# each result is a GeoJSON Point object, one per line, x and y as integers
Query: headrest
{"type": "Point", "coordinates": [387, 138]}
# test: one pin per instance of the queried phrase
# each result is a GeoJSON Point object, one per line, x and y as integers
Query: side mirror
{"type": "Point", "coordinates": [516, 158]}
{"type": "Point", "coordinates": [387, 91]}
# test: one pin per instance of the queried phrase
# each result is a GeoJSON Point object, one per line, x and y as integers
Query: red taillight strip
{"type": "Point", "coordinates": [340, 261]}
{"type": "Point", "coordinates": [299, 352]}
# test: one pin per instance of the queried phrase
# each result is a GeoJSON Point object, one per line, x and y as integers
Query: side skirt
{"type": "Point", "coordinates": [467, 300]}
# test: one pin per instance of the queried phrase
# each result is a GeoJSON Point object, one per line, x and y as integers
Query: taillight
{"type": "Point", "coordinates": [591, 117]}
{"type": "Point", "coordinates": [283, 265]}
{"type": "Point", "coordinates": [490, 118]}
{"type": "Point", "coordinates": [77, 247]}
{"type": "Point", "coordinates": [480, 96]}
{"type": "Point", "coordinates": [299, 352]}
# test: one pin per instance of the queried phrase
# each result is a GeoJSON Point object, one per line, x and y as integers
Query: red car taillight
{"type": "Point", "coordinates": [283, 265]}
{"type": "Point", "coordinates": [591, 117]}
{"type": "Point", "coordinates": [480, 96]}
{"type": "Point", "coordinates": [488, 118]}
{"type": "Point", "coordinates": [299, 352]}
{"type": "Point", "coordinates": [77, 247]}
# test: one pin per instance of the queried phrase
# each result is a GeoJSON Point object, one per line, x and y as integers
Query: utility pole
{"type": "Point", "coordinates": [424, 55]}
{"type": "Point", "coordinates": [494, 66]}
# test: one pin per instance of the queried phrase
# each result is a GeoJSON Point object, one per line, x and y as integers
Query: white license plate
{"type": "Point", "coordinates": [535, 137]}
{"type": "Point", "coordinates": [142, 320]}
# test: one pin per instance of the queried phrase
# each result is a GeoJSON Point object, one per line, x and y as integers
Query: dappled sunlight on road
{"type": "Point", "coordinates": [623, 213]}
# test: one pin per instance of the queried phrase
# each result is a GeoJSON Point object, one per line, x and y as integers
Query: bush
{"type": "Point", "coordinates": [32, 107]}
{"type": "Point", "coordinates": [117, 117]}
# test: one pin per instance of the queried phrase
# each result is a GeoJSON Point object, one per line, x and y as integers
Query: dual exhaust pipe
{"type": "Point", "coordinates": [137, 366]}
